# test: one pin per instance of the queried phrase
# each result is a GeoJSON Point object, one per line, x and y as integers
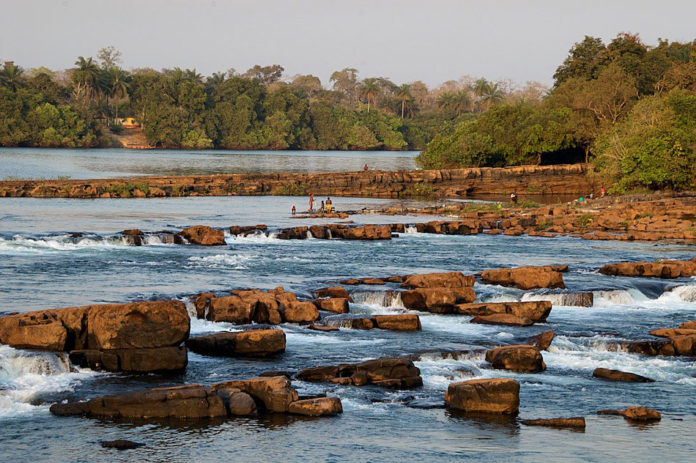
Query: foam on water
{"type": "Point", "coordinates": [388, 298]}
{"type": "Point", "coordinates": [256, 238]}
{"type": "Point", "coordinates": [619, 296]}
{"type": "Point", "coordinates": [23, 244]}
{"type": "Point", "coordinates": [235, 261]}
{"type": "Point", "coordinates": [25, 376]}
{"type": "Point", "coordinates": [686, 293]}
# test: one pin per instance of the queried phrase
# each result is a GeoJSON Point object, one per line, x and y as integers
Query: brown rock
{"type": "Point", "coordinates": [322, 327]}
{"type": "Point", "coordinates": [520, 358]}
{"type": "Point", "coordinates": [204, 236]}
{"type": "Point", "coordinates": [673, 332]}
{"type": "Point", "coordinates": [634, 413]}
{"type": "Point", "coordinates": [438, 300]}
{"type": "Point", "coordinates": [252, 343]}
{"type": "Point", "coordinates": [498, 396]}
{"type": "Point", "coordinates": [536, 311]}
{"type": "Point", "coordinates": [300, 312]}
{"type": "Point", "coordinates": [372, 281]}
{"type": "Point", "coordinates": [274, 392]}
{"type": "Point", "coordinates": [137, 325]}
{"type": "Point", "coordinates": [362, 323]}
{"type": "Point", "coordinates": [438, 280]}
{"type": "Point", "coordinates": [575, 422]}
{"type": "Point", "coordinates": [202, 303]}
{"type": "Point", "coordinates": [321, 406]}
{"type": "Point", "coordinates": [232, 309]}
{"type": "Point", "coordinates": [502, 319]}
{"type": "Point", "coordinates": [132, 232]}
{"type": "Point", "coordinates": [397, 373]}
{"type": "Point", "coordinates": [333, 292]}
{"type": "Point", "coordinates": [525, 277]}
{"type": "Point", "coordinates": [335, 305]}
{"type": "Point", "coordinates": [151, 360]}
{"type": "Point", "coordinates": [350, 281]}
{"type": "Point", "coordinates": [617, 375]}
{"type": "Point", "coordinates": [543, 340]}
{"type": "Point", "coordinates": [690, 325]}
{"type": "Point", "coordinates": [399, 322]}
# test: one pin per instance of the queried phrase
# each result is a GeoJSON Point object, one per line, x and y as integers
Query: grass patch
{"type": "Point", "coordinates": [584, 220]}
{"type": "Point", "coordinates": [125, 190]}
{"type": "Point", "coordinates": [420, 191]}
{"type": "Point", "coordinates": [292, 189]}
{"type": "Point", "coordinates": [527, 204]}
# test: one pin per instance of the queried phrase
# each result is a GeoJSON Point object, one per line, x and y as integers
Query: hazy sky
{"type": "Point", "coordinates": [430, 40]}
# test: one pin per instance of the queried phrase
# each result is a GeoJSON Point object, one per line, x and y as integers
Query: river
{"type": "Point", "coordinates": [43, 266]}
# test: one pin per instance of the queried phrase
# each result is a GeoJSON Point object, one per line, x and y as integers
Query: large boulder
{"type": "Point", "coordinates": [171, 359]}
{"type": "Point", "coordinates": [252, 343]}
{"type": "Point", "coordinates": [333, 304]}
{"type": "Point", "coordinates": [300, 312]}
{"type": "Point", "coordinates": [502, 319]}
{"type": "Point", "coordinates": [274, 393]}
{"type": "Point", "coordinates": [137, 325]}
{"type": "Point", "coordinates": [661, 269]}
{"type": "Point", "coordinates": [320, 406]}
{"type": "Point", "coordinates": [231, 309]}
{"type": "Point", "coordinates": [397, 322]}
{"type": "Point", "coordinates": [438, 280]}
{"type": "Point", "coordinates": [203, 236]}
{"type": "Point", "coordinates": [332, 292]}
{"type": "Point", "coordinates": [520, 358]}
{"type": "Point", "coordinates": [543, 340]}
{"type": "Point", "coordinates": [365, 232]}
{"type": "Point", "coordinates": [525, 277]}
{"type": "Point", "coordinates": [497, 396]}
{"type": "Point", "coordinates": [617, 375]}
{"type": "Point", "coordinates": [437, 300]}
{"type": "Point", "coordinates": [55, 330]}
{"type": "Point", "coordinates": [399, 373]}
{"type": "Point", "coordinates": [536, 311]}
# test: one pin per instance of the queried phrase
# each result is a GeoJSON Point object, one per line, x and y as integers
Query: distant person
{"type": "Point", "coordinates": [365, 167]}
{"type": "Point", "coordinates": [322, 208]}
{"type": "Point", "coordinates": [311, 202]}
{"type": "Point", "coordinates": [602, 192]}
{"type": "Point", "coordinates": [329, 205]}
{"type": "Point", "coordinates": [513, 198]}
{"type": "Point", "coordinates": [294, 210]}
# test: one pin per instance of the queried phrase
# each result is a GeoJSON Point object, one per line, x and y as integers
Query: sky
{"type": "Point", "coordinates": [406, 40]}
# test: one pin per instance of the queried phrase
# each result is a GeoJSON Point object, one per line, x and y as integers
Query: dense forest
{"type": "Point", "coordinates": [258, 109]}
{"type": "Point", "coordinates": [628, 108]}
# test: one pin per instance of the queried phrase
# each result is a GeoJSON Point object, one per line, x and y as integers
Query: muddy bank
{"type": "Point", "coordinates": [448, 183]}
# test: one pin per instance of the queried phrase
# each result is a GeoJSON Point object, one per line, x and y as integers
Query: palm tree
{"type": "Point", "coordinates": [403, 94]}
{"type": "Point", "coordinates": [461, 101]}
{"type": "Point", "coordinates": [86, 76]}
{"type": "Point", "coordinates": [119, 86]}
{"type": "Point", "coordinates": [193, 76]}
{"type": "Point", "coordinates": [488, 93]}
{"type": "Point", "coordinates": [445, 101]}
{"type": "Point", "coordinates": [216, 79]}
{"type": "Point", "coordinates": [11, 75]}
{"type": "Point", "coordinates": [370, 91]}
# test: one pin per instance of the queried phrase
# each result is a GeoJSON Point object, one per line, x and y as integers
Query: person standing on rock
{"type": "Point", "coordinates": [293, 210]}
{"type": "Point", "coordinates": [311, 202]}
{"type": "Point", "coordinates": [329, 205]}
{"type": "Point", "coordinates": [365, 167]}
{"type": "Point", "coordinates": [322, 208]}
{"type": "Point", "coordinates": [513, 197]}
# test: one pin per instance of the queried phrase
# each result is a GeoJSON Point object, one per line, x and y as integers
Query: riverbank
{"type": "Point", "coordinates": [560, 180]}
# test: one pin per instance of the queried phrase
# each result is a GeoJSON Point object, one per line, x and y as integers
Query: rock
{"type": "Point", "coordinates": [246, 229]}
{"type": "Point", "coordinates": [639, 414]}
{"type": "Point", "coordinates": [662, 269]}
{"type": "Point", "coordinates": [55, 330]}
{"type": "Point", "coordinates": [273, 392]}
{"type": "Point", "coordinates": [543, 340]}
{"type": "Point", "coordinates": [132, 232]}
{"type": "Point", "coordinates": [321, 406]}
{"type": "Point", "coordinates": [520, 358]}
{"type": "Point", "coordinates": [365, 232]}
{"type": "Point", "coordinates": [204, 236]}
{"type": "Point", "coordinates": [232, 309]}
{"type": "Point", "coordinates": [253, 343]}
{"type": "Point", "coordinates": [617, 375]}
{"type": "Point", "coordinates": [322, 327]}
{"type": "Point", "coordinates": [524, 277]}
{"type": "Point", "coordinates": [575, 422]}
{"type": "Point", "coordinates": [333, 292]}
{"type": "Point", "coordinates": [334, 304]}
{"type": "Point", "coordinates": [372, 281]}
{"type": "Point", "coordinates": [300, 312]}
{"type": "Point", "coordinates": [437, 300]}
{"type": "Point", "coordinates": [690, 325]}
{"type": "Point", "coordinates": [202, 303]}
{"type": "Point", "coordinates": [536, 311]}
{"type": "Point", "coordinates": [350, 281]}
{"type": "Point", "coordinates": [192, 401]}
{"type": "Point", "coordinates": [498, 396]}
{"type": "Point", "coordinates": [651, 348]}
{"type": "Point", "coordinates": [502, 319]}
{"type": "Point", "coordinates": [399, 322]}
{"type": "Point", "coordinates": [295, 233]}
{"type": "Point", "coordinates": [171, 359]}
{"type": "Point", "coordinates": [121, 444]}
{"type": "Point", "coordinates": [362, 323]}
{"type": "Point", "coordinates": [399, 373]}
{"type": "Point", "coordinates": [438, 280]}
{"type": "Point", "coordinates": [137, 325]}
{"type": "Point", "coordinates": [673, 332]}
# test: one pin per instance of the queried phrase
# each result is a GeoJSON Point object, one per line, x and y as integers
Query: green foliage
{"type": "Point", "coordinates": [419, 191]}
{"type": "Point", "coordinates": [584, 220]}
{"type": "Point", "coordinates": [125, 190]}
{"type": "Point", "coordinates": [292, 189]}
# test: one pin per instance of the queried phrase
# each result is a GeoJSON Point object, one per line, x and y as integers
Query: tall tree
{"type": "Point", "coordinates": [370, 90]}
{"type": "Point", "coordinates": [403, 94]}
{"type": "Point", "coordinates": [11, 75]}
{"type": "Point", "coordinates": [86, 77]}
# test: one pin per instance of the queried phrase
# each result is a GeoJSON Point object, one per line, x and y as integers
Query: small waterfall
{"type": "Point", "coordinates": [387, 298]}
{"type": "Point", "coordinates": [618, 296]}
{"type": "Point", "coordinates": [17, 363]}
{"type": "Point", "coordinates": [309, 235]}
{"type": "Point", "coordinates": [685, 293]}
{"type": "Point", "coordinates": [190, 307]}
{"type": "Point", "coordinates": [329, 235]}
{"type": "Point", "coordinates": [410, 229]}
{"type": "Point", "coordinates": [580, 299]}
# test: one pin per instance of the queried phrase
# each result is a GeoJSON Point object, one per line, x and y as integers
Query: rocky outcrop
{"type": "Point", "coordinates": [337, 231]}
{"type": "Point", "coordinates": [398, 322]}
{"type": "Point", "coordinates": [134, 337]}
{"type": "Point", "coordinates": [203, 236]}
{"type": "Point", "coordinates": [524, 277]}
{"type": "Point", "coordinates": [198, 402]}
{"type": "Point", "coordinates": [332, 292]}
{"type": "Point", "coordinates": [397, 373]}
{"type": "Point", "coordinates": [246, 230]}
{"type": "Point", "coordinates": [253, 305]}
{"type": "Point", "coordinates": [661, 269]}
{"type": "Point", "coordinates": [617, 375]}
{"type": "Point", "coordinates": [635, 413]}
{"type": "Point", "coordinates": [571, 423]}
{"type": "Point", "coordinates": [252, 343]}
{"type": "Point", "coordinates": [490, 396]}
{"type": "Point", "coordinates": [450, 227]}
{"type": "Point", "coordinates": [334, 304]}
{"type": "Point", "coordinates": [520, 358]}
{"type": "Point", "coordinates": [543, 341]}
{"type": "Point", "coordinates": [438, 280]}
{"type": "Point", "coordinates": [502, 319]}
{"type": "Point", "coordinates": [437, 300]}
{"type": "Point", "coordinates": [536, 311]}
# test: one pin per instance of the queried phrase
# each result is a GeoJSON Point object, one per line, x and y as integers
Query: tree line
{"type": "Point", "coordinates": [258, 109]}
{"type": "Point", "coordinates": [626, 107]}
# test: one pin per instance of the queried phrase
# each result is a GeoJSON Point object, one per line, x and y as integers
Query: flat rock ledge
{"type": "Point", "coordinates": [252, 343]}
{"type": "Point", "coordinates": [570, 423]}
{"type": "Point", "coordinates": [618, 375]}
{"type": "Point", "coordinates": [396, 373]}
{"type": "Point", "coordinates": [500, 396]}
{"type": "Point", "coordinates": [198, 402]}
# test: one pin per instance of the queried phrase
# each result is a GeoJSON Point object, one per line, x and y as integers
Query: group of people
{"type": "Point", "coordinates": [325, 207]}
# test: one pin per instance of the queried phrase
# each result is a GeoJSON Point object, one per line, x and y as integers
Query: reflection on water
{"type": "Point", "coordinates": [37, 163]}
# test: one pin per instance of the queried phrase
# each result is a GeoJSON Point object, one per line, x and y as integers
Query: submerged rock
{"type": "Point", "coordinates": [519, 358]}
{"type": "Point", "coordinates": [253, 343]}
{"type": "Point", "coordinates": [635, 413]}
{"type": "Point", "coordinates": [121, 444]}
{"type": "Point", "coordinates": [617, 375]}
{"type": "Point", "coordinates": [495, 396]}
{"type": "Point", "coordinates": [525, 277]}
{"type": "Point", "coordinates": [575, 422]}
